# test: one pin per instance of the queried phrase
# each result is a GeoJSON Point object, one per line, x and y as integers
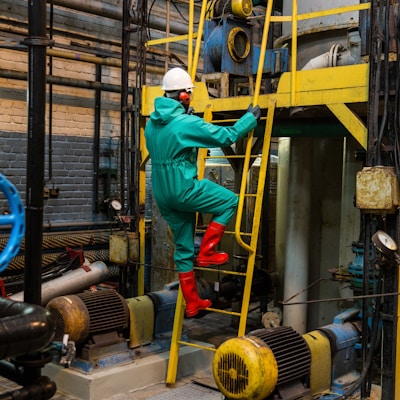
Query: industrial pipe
{"type": "Point", "coordinates": [71, 282]}
{"type": "Point", "coordinates": [115, 12]}
{"type": "Point", "coordinates": [37, 42]}
{"type": "Point", "coordinates": [338, 55]}
{"type": "Point", "coordinates": [42, 389]}
{"type": "Point", "coordinates": [62, 81]}
{"type": "Point", "coordinates": [298, 232]}
{"type": "Point", "coordinates": [24, 328]}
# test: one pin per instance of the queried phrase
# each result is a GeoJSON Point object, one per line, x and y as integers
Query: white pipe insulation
{"type": "Point", "coordinates": [297, 233]}
{"type": "Point", "coordinates": [293, 254]}
{"type": "Point", "coordinates": [338, 55]}
{"type": "Point", "coordinates": [71, 282]}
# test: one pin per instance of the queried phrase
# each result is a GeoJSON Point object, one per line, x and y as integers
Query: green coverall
{"type": "Point", "coordinates": [172, 138]}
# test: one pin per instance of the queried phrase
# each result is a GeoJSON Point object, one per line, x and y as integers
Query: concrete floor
{"type": "Point", "coordinates": [193, 387]}
{"type": "Point", "coordinates": [145, 378]}
{"type": "Point", "coordinates": [194, 381]}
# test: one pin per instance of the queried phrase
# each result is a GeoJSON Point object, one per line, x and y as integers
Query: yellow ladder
{"type": "Point", "coordinates": [248, 241]}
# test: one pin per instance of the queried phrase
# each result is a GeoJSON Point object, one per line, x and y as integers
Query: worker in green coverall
{"type": "Point", "coordinates": [173, 137]}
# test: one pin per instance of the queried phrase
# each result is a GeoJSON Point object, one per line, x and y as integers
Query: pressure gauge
{"type": "Point", "coordinates": [384, 243]}
{"type": "Point", "coordinates": [116, 205]}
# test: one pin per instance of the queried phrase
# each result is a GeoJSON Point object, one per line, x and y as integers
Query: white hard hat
{"type": "Point", "coordinates": [177, 79]}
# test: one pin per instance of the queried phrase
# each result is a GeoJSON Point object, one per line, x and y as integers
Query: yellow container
{"type": "Point", "coordinates": [122, 244]}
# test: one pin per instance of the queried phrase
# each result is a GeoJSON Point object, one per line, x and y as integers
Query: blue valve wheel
{"type": "Point", "coordinates": [16, 219]}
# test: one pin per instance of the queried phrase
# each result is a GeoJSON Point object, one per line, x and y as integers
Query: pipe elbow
{"type": "Point", "coordinates": [24, 328]}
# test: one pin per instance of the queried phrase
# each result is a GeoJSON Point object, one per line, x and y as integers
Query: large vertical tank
{"type": "Point", "coordinates": [318, 35]}
{"type": "Point", "coordinates": [332, 40]}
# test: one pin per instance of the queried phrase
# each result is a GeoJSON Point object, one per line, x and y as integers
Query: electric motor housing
{"type": "Point", "coordinates": [253, 366]}
{"type": "Point", "coordinates": [228, 46]}
{"type": "Point", "coordinates": [245, 368]}
{"type": "Point", "coordinates": [89, 313]}
{"type": "Point", "coordinates": [239, 8]}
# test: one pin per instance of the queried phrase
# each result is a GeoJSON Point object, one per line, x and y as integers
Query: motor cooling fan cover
{"type": "Point", "coordinates": [245, 368]}
{"type": "Point", "coordinates": [242, 8]}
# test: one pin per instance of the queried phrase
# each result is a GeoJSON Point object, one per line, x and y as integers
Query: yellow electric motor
{"type": "Point", "coordinates": [245, 368]}
{"type": "Point", "coordinates": [242, 8]}
{"type": "Point", "coordinates": [239, 8]}
{"type": "Point", "coordinates": [254, 366]}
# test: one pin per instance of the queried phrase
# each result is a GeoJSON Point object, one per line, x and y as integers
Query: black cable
{"type": "Point", "coordinates": [177, 9]}
{"type": "Point", "coordinates": [148, 19]}
{"type": "Point", "coordinates": [180, 13]}
{"type": "Point", "coordinates": [383, 122]}
{"type": "Point", "coordinates": [396, 151]}
{"type": "Point", "coordinates": [373, 344]}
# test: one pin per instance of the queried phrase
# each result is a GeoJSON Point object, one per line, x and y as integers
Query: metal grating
{"type": "Point", "coordinates": [190, 391]}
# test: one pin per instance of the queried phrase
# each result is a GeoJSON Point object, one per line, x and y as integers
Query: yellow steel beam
{"type": "Point", "coordinates": [351, 122]}
{"type": "Point", "coordinates": [325, 86]}
{"type": "Point", "coordinates": [349, 84]}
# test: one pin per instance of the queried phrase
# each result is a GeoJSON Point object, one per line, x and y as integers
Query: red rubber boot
{"type": "Point", "coordinates": [189, 290]}
{"type": "Point", "coordinates": [207, 254]}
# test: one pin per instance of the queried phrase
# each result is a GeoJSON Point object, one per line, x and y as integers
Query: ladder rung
{"type": "Point", "coordinates": [219, 121]}
{"type": "Point", "coordinates": [241, 233]}
{"type": "Point", "coordinates": [199, 346]}
{"type": "Point", "coordinates": [232, 156]}
{"type": "Point", "coordinates": [217, 310]}
{"type": "Point", "coordinates": [251, 248]}
{"type": "Point", "coordinates": [228, 232]}
{"type": "Point", "coordinates": [225, 271]}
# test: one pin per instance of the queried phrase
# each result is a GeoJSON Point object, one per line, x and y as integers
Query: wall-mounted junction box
{"type": "Point", "coordinates": [377, 190]}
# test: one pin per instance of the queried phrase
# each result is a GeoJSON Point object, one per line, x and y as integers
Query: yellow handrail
{"type": "Point", "coordinates": [198, 40]}
{"type": "Point", "coordinates": [190, 41]}
{"type": "Point", "coordinates": [294, 53]}
{"type": "Point", "coordinates": [251, 134]}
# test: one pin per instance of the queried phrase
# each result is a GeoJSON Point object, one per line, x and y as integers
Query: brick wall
{"type": "Point", "coordinates": [72, 122]}
{"type": "Point", "coordinates": [72, 166]}
{"type": "Point", "coordinates": [72, 119]}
